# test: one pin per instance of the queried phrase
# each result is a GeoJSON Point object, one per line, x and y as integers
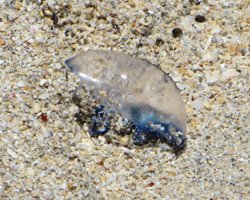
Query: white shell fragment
{"type": "Point", "coordinates": [138, 90]}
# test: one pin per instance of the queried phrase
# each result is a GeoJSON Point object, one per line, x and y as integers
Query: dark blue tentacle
{"type": "Point", "coordinates": [100, 121]}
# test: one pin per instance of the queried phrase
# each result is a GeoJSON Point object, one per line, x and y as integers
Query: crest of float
{"type": "Point", "coordinates": [136, 89]}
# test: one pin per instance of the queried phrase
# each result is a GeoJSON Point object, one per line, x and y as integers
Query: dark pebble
{"type": "Point", "coordinates": [54, 18]}
{"type": "Point", "coordinates": [159, 42]}
{"type": "Point", "coordinates": [44, 117]}
{"type": "Point", "coordinates": [151, 184]}
{"type": "Point", "coordinates": [200, 18]}
{"type": "Point", "coordinates": [140, 45]}
{"type": "Point", "coordinates": [196, 2]}
{"type": "Point", "coordinates": [176, 32]}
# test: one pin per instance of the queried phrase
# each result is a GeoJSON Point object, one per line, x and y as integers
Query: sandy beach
{"type": "Point", "coordinates": [204, 45]}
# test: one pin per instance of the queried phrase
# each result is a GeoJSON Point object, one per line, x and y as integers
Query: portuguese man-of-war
{"type": "Point", "coordinates": [139, 91]}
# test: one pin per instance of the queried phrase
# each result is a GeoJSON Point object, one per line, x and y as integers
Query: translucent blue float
{"type": "Point", "coordinates": [137, 90]}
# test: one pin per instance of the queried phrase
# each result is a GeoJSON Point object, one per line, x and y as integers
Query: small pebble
{"type": "Point", "coordinates": [211, 56]}
{"type": "Point", "coordinates": [212, 79]}
{"type": "Point", "coordinates": [124, 140]}
{"type": "Point", "coordinates": [30, 172]}
{"type": "Point", "coordinates": [229, 73]}
{"type": "Point", "coordinates": [2, 42]}
{"type": "Point", "coordinates": [39, 37]}
{"type": "Point", "coordinates": [198, 104]}
{"type": "Point", "coordinates": [197, 2]}
{"type": "Point", "coordinates": [151, 184]}
{"type": "Point", "coordinates": [36, 108]}
{"type": "Point", "coordinates": [131, 3]}
{"type": "Point", "coordinates": [42, 82]}
{"type": "Point", "coordinates": [21, 84]}
{"type": "Point", "coordinates": [12, 153]}
{"type": "Point", "coordinates": [177, 32]}
{"type": "Point", "coordinates": [151, 12]}
{"type": "Point", "coordinates": [18, 5]}
{"type": "Point", "coordinates": [159, 42]}
{"type": "Point", "coordinates": [200, 18]}
{"type": "Point", "coordinates": [51, 2]}
{"type": "Point", "coordinates": [44, 117]}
